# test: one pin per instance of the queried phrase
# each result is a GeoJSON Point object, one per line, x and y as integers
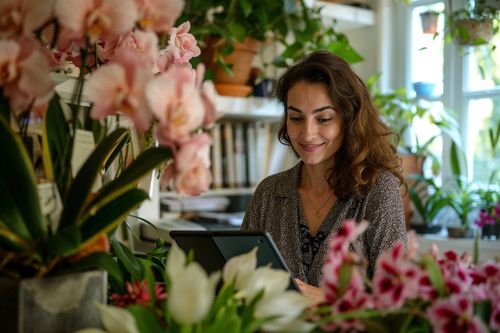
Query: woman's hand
{"type": "Point", "coordinates": [315, 294]}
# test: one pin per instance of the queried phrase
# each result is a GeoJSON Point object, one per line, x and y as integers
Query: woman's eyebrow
{"type": "Point", "coordinates": [293, 108]}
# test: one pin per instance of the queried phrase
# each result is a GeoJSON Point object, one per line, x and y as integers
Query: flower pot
{"type": "Point", "coordinates": [429, 21]}
{"type": "Point", "coordinates": [459, 232]}
{"type": "Point", "coordinates": [241, 60]}
{"type": "Point", "coordinates": [424, 89]}
{"type": "Point", "coordinates": [412, 165]}
{"type": "Point", "coordinates": [63, 303]}
{"type": "Point", "coordinates": [473, 32]}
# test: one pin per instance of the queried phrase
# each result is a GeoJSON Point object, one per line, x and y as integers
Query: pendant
{"type": "Point", "coordinates": [317, 215]}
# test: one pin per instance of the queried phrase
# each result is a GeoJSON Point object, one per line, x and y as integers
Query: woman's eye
{"type": "Point", "coordinates": [324, 120]}
{"type": "Point", "coordinates": [295, 119]}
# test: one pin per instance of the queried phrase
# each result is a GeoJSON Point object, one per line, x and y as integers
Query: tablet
{"type": "Point", "coordinates": [213, 248]}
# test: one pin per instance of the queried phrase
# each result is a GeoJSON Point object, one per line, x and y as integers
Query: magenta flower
{"type": "Point", "coordinates": [137, 293]}
{"type": "Point", "coordinates": [454, 315]}
{"type": "Point", "coordinates": [395, 280]}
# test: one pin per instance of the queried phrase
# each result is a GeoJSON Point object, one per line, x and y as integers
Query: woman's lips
{"type": "Point", "coordinates": [310, 147]}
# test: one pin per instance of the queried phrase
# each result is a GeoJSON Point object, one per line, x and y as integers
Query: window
{"type": "Point", "coordinates": [464, 79]}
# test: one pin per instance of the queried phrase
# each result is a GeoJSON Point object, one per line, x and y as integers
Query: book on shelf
{"type": "Point", "coordinates": [240, 156]}
{"type": "Point", "coordinates": [216, 156]}
{"type": "Point", "coordinates": [228, 166]}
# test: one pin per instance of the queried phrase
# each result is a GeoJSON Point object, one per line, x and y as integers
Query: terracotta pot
{"type": "Point", "coordinates": [429, 21]}
{"type": "Point", "coordinates": [473, 32]}
{"type": "Point", "coordinates": [241, 59]}
{"type": "Point", "coordinates": [412, 165]}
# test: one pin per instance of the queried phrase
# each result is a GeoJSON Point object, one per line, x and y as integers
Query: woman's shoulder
{"type": "Point", "coordinates": [279, 183]}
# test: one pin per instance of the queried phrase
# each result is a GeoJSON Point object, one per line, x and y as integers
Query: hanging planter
{"type": "Point", "coordinates": [429, 21]}
{"type": "Point", "coordinates": [471, 32]}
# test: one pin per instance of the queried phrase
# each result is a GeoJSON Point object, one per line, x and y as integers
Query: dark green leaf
{"type": "Point", "coordinates": [65, 242]}
{"type": "Point", "coordinates": [110, 215]}
{"type": "Point", "coordinates": [434, 272]}
{"type": "Point", "coordinates": [80, 189]}
{"type": "Point", "coordinates": [128, 260]}
{"type": "Point", "coordinates": [145, 319]}
{"type": "Point", "coordinates": [19, 181]}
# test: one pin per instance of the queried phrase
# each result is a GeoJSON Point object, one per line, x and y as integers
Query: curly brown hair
{"type": "Point", "coordinates": [367, 148]}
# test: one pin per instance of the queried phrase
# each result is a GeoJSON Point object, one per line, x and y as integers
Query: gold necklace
{"type": "Point", "coordinates": [317, 215]}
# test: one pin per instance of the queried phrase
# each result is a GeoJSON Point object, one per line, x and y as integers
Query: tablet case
{"type": "Point", "coordinates": [212, 249]}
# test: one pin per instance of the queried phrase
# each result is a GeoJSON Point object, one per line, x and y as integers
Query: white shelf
{"type": "Point", "coordinates": [213, 192]}
{"type": "Point", "coordinates": [347, 17]}
{"type": "Point", "coordinates": [249, 108]}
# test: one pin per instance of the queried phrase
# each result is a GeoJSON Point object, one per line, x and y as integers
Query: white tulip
{"type": "Point", "coordinates": [240, 269]}
{"type": "Point", "coordinates": [117, 320]}
{"type": "Point", "coordinates": [191, 294]}
{"type": "Point", "coordinates": [287, 306]}
{"type": "Point", "coordinates": [272, 281]}
{"type": "Point", "coordinates": [176, 260]}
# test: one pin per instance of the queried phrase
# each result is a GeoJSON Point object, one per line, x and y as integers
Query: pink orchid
{"type": "Point", "coordinates": [208, 95]}
{"type": "Point", "coordinates": [22, 17]}
{"type": "Point", "coordinates": [191, 165]}
{"type": "Point", "coordinates": [454, 315]}
{"type": "Point", "coordinates": [119, 87]}
{"type": "Point", "coordinates": [347, 233]}
{"type": "Point", "coordinates": [24, 72]}
{"type": "Point", "coordinates": [182, 45]}
{"type": "Point", "coordinates": [145, 44]}
{"type": "Point", "coordinates": [97, 18]}
{"type": "Point", "coordinates": [395, 280]}
{"type": "Point", "coordinates": [137, 293]}
{"type": "Point", "coordinates": [353, 299]}
{"type": "Point", "coordinates": [175, 100]}
{"type": "Point", "coordinates": [158, 15]}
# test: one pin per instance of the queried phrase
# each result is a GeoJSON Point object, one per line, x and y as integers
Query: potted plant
{"type": "Point", "coordinates": [474, 24]}
{"type": "Point", "coordinates": [429, 21]}
{"type": "Point", "coordinates": [224, 28]}
{"type": "Point", "coordinates": [56, 215]}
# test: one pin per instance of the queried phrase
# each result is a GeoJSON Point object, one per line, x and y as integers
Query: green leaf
{"type": "Point", "coordinates": [110, 215]}
{"type": "Point", "coordinates": [434, 272]}
{"type": "Point", "coordinates": [82, 184]}
{"type": "Point", "coordinates": [10, 216]}
{"type": "Point", "coordinates": [4, 106]}
{"type": "Point", "coordinates": [12, 240]}
{"type": "Point", "coordinates": [483, 310]}
{"type": "Point", "coordinates": [245, 6]}
{"type": "Point", "coordinates": [55, 144]}
{"type": "Point", "coordinates": [129, 261]}
{"type": "Point", "coordinates": [237, 30]}
{"type": "Point", "coordinates": [345, 275]}
{"type": "Point", "coordinates": [99, 260]}
{"type": "Point", "coordinates": [145, 319]}
{"type": "Point", "coordinates": [19, 181]}
{"type": "Point", "coordinates": [143, 164]}
{"type": "Point", "coordinates": [67, 241]}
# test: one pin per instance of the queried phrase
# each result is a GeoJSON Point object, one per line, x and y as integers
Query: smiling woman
{"type": "Point", "coordinates": [348, 170]}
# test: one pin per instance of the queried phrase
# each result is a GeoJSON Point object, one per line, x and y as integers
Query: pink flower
{"type": "Point", "coordinates": [495, 315]}
{"type": "Point", "coordinates": [208, 96]}
{"type": "Point", "coordinates": [119, 87]}
{"type": "Point", "coordinates": [347, 233]}
{"type": "Point", "coordinates": [454, 315]}
{"type": "Point", "coordinates": [144, 44]}
{"type": "Point", "coordinates": [353, 299]}
{"type": "Point", "coordinates": [395, 280]}
{"type": "Point", "coordinates": [22, 17]}
{"type": "Point", "coordinates": [158, 15]}
{"type": "Point", "coordinates": [190, 170]}
{"type": "Point", "coordinates": [24, 73]}
{"type": "Point", "coordinates": [182, 45]}
{"type": "Point", "coordinates": [137, 293]}
{"type": "Point", "coordinates": [175, 100]}
{"type": "Point", "coordinates": [97, 18]}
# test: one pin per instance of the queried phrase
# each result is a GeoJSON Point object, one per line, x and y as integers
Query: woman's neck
{"type": "Point", "coordinates": [315, 178]}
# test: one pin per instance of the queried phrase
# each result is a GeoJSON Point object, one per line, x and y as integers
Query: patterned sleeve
{"type": "Point", "coordinates": [253, 215]}
{"type": "Point", "coordinates": [385, 215]}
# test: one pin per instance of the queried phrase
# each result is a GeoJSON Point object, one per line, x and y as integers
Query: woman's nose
{"type": "Point", "coordinates": [308, 129]}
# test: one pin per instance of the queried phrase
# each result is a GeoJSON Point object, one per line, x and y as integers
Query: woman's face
{"type": "Point", "coordinates": [315, 128]}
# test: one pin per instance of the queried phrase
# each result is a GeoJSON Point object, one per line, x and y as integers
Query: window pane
{"type": "Point", "coordinates": [483, 114]}
{"type": "Point", "coordinates": [483, 66]}
{"type": "Point", "coordinates": [427, 49]}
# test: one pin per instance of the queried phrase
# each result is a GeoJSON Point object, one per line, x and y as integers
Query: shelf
{"type": "Point", "coordinates": [249, 108]}
{"type": "Point", "coordinates": [488, 249]}
{"type": "Point", "coordinates": [347, 17]}
{"type": "Point", "coordinates": [214, 192]}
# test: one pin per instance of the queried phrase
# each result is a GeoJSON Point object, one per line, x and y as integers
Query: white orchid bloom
{"type": "Point", "coordinates": [176, 261]}
{"type": "Point", "coordinates": [191, 294]}
{"type": "Point", "coordinates": [286, 306]}
{"type": "Point", "coordinates": [272, 281]}
{"type": "Point", "coordinates": [240, 269]}
{"type": "Point", "coordinates": [117, 320]}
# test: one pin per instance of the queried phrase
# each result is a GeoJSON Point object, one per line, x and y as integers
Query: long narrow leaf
{"type": "Point", "coordinates": [10, 215]}
{"type": "Point", "coordinates": [18, 176]}
{"type": "Point", "coordinates": [80, 189]}
{"type": "Point", "coordinates": [55, 144]}
{"type": "Point", "coordinates": [129, 261]}
{"type": "Point", "coordinates": [12, 240]}
{"type": "Point", "coordinates": [143, 164]}
{"type": "Point", "coordinates": [112, 214]}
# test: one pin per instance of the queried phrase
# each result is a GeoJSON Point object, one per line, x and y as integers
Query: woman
{"type": "Point", "coordinates": [348, 169]}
